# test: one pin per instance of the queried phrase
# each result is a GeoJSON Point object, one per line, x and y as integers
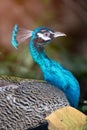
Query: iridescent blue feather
{"type": "Point", "coordinates": [14, 37]}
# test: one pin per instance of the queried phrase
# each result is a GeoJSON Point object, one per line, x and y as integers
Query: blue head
{"type": "Point", "coordinates": [44, 35]}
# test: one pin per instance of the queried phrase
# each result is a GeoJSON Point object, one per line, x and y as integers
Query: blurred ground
{"type": "Point", "coordinates": [68, 16]}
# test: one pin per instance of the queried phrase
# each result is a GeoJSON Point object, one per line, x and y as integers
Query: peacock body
{"type": "Point", "coordinates": [24, 103]}
{"type": "Point", "coordinates": [53, 71]}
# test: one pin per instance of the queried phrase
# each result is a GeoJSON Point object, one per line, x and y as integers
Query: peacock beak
{"type": "Point", "coordinates": [58, 34]}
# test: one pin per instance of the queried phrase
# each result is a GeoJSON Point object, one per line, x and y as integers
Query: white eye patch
{"type": "Point", "coordinates": [44, 37]}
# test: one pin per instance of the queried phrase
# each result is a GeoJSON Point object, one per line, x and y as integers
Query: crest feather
{"type": "Point", "coordinates": [19, 35]}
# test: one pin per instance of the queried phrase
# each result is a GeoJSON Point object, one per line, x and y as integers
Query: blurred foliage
{"type": "Point", "coordinates": [71, 51]}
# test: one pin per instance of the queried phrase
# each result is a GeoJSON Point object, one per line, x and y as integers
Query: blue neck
{"type": "Point", "coordinates": [47, 65]}
{"type": "Point", "coordinates": [38, 54]}
{"type": "Point", "coordinates": [56, 74]}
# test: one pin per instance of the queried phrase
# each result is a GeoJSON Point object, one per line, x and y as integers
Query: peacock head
{"type": "Point", "coordinates": [41, 35]}
{"type": "Point", "coordinates": [44, 35]}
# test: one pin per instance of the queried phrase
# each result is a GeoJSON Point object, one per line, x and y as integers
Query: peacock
{"type": "Point", "coordinates": [54, 73]}
{"type": "Point", "coordinates": [25, 104]}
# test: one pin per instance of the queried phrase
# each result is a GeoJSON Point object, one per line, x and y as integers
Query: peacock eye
{"type": "Point", "coordinates": [46, 34]}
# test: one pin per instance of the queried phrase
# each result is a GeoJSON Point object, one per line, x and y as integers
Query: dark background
{"type": "Point", "coordinates": [68, 16]}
